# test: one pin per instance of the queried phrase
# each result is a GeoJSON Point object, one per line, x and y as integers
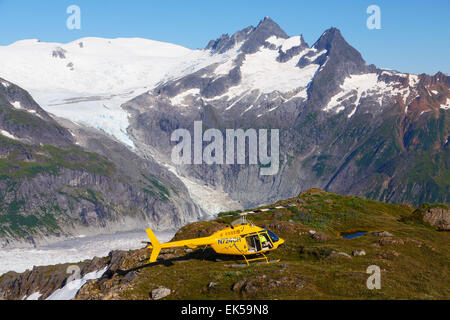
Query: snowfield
{"type": "Point", "coordinates": [70, 290]}
{"type": "Point", "coordinates": [365, 85]}
{"type": "Point", "coordinates": [8, 135]}
{"type": "Point", "coordinates": [285, 44]}
{"type": "Point", "coordinates": [447, 105]}
{"type": "Point", "coordinates": [262, 71]}
{"type": "Point", "coordinates": [87, 80]}
{"type": "Point", "coordinates": [88, 65]}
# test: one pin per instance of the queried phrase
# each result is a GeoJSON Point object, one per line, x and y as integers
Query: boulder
{"type": "Point", "coordinates": [238, 285]}
{"type": "Point", "coordinates": [245, 287]}
{"type": "Point", "coordinates": [160, 293]}
{"type": "Point", "coordinates": [320, 236]}
{"type": "Point", "coordinates": [358, 253]}
{"type": "Point", "coordinates": [212, 285]}
{"type": "Point", "coordinates": [130, 276]}
{"type": "Point", "coordinates": [382, 234]}
{"type": "Point", "coordinates": [249, 289]}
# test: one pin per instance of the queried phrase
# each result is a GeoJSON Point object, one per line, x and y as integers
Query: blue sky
{"type": "Point", "coordinates": [415, 35]}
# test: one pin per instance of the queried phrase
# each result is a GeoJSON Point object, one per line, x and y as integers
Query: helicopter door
{"type": "Point", "coordinates": [253, 243]}
{"type": "Point", "coordinates": [265, 242]}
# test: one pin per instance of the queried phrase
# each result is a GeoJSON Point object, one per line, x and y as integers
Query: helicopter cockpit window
{"type": "Point", "coordinates": [272, 236]}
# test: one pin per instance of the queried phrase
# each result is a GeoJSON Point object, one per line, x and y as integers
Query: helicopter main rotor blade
{"type": "Point", "coordinates": [243, 214]}
{"type": "Point", "coordinates": [266, 209]}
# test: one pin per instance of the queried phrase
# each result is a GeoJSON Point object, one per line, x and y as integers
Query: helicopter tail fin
{"type": "Point", "coordinates": [155, 245]}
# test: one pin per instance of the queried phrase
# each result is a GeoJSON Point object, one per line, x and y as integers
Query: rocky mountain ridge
{"type": "Point", "coordinates": [345, 126]}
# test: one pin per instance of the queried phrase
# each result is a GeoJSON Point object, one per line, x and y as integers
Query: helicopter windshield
{"type": "Point", "coordinates": [272, 236]}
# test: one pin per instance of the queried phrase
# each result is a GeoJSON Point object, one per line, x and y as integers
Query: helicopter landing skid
{"type": "Point", "coordinates": [264, 257]}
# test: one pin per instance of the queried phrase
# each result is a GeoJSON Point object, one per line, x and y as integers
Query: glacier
{"type": "Point", "coordinates": [74, 250]}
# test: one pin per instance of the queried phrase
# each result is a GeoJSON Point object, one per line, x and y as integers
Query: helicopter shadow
{"type": "Point", "coordinates": [206, 254]}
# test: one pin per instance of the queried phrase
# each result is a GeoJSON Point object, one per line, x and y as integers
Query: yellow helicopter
{"type": "Point", "coordinates": [242, 237]}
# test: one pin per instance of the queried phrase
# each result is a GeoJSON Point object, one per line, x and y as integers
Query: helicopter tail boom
{"type": "Point", "coordinates": [156, 246]}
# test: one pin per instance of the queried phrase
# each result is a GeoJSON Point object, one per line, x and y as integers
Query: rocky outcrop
{"type": "Point", "coordinates": [251, 37]}
{"type": "Point", "coordinates": [45, 279]}
{"type": "Point", "coordinates": [437, 216]}
{"type": "Point", "coordinates": [22, 117]}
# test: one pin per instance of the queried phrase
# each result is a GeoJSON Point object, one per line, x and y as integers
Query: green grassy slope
{"type": "Point", "coordinates": [414, 262]}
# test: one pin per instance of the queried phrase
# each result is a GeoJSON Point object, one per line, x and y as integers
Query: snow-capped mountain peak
{"type": "Point", "coordinates": [249, 39]}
